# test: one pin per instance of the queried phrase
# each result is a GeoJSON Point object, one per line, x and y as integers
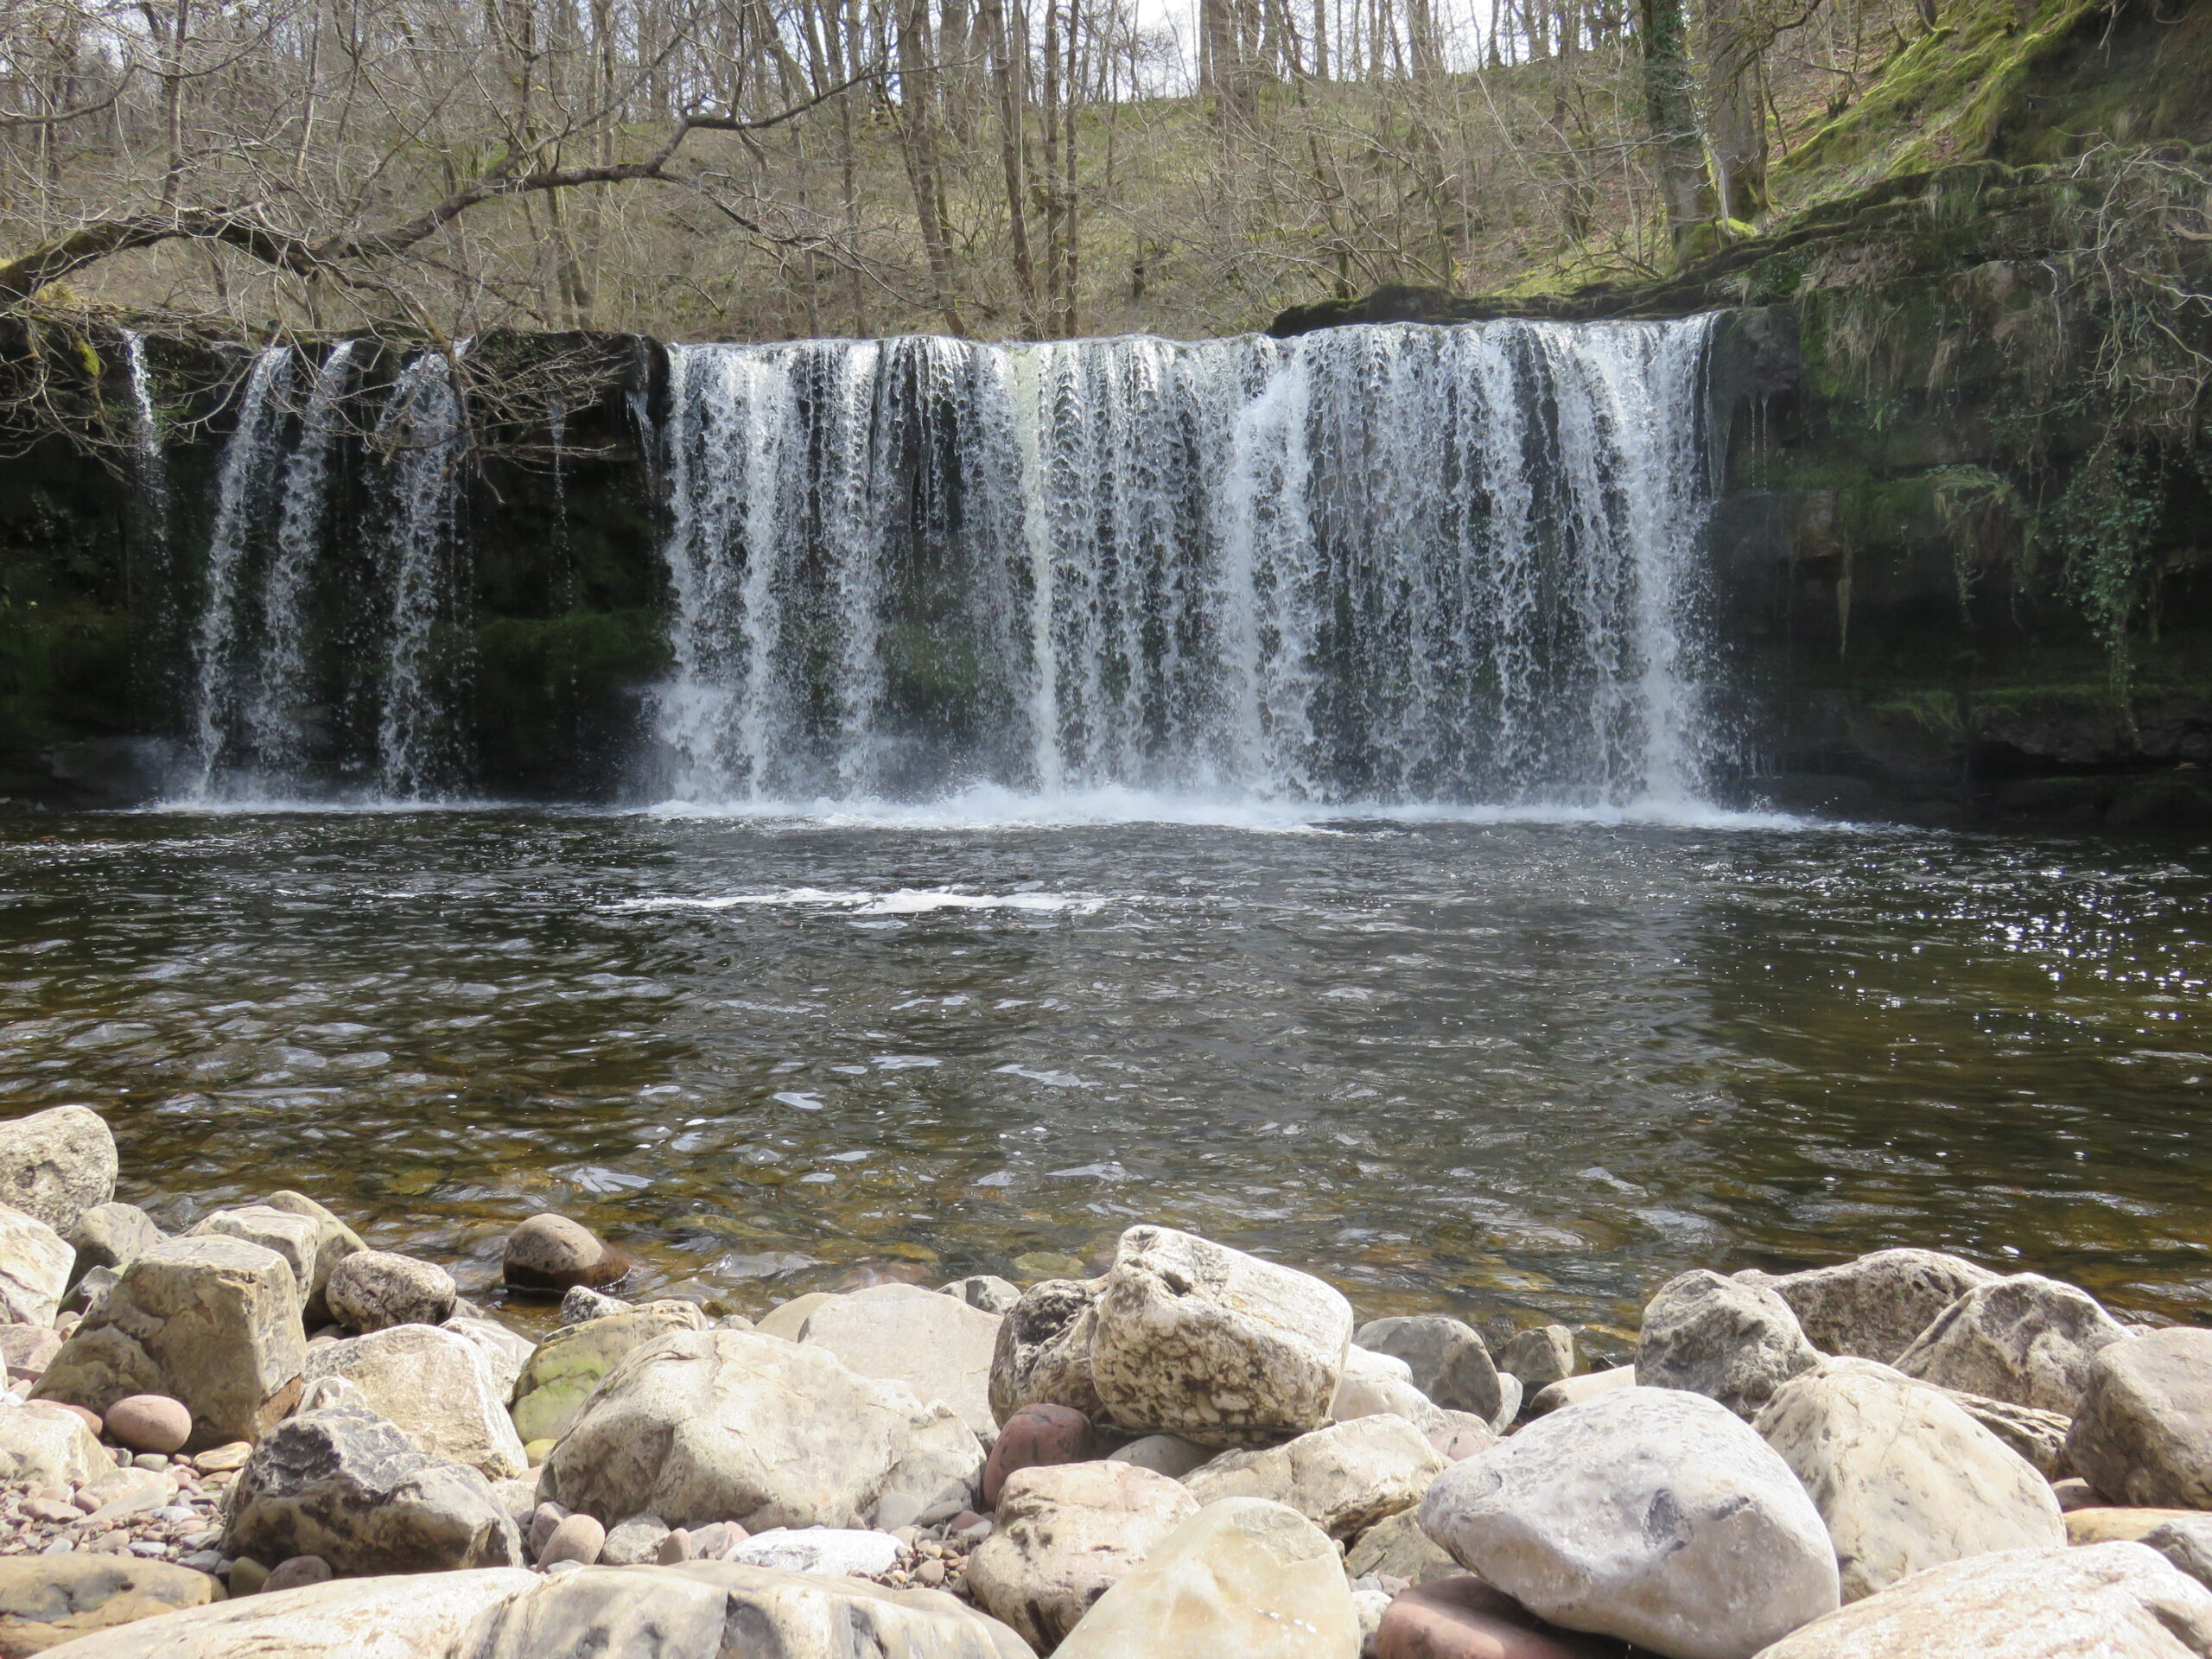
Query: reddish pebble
{"type": "Point", "coordinates": [1462, 1439]}
{"type": "Point", "coordinates": [579, 1538]}
{"type": "Point", "coordinates": [150, 1422]}
{"type": "Point", "coordinates": [1465, 1619]}
{"type": "Point", "coordinates": [299, 1571]}
{"type": "Point", "coordinates": [1033, 1438]}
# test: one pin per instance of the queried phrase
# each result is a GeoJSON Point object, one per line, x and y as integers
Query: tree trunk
{"type": "Point", "coordinates": [1672, 112]}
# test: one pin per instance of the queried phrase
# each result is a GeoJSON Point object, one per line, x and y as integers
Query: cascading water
{"type": "Point", "coordinates": [148, 469]}
{"type": "Point", "coordinates": [424, 431]}
{"type": "Point", "coordinates": [1384, 563]}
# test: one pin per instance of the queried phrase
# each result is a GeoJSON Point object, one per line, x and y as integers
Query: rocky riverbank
{"type": "Point", "coordinates": [264, 1438]}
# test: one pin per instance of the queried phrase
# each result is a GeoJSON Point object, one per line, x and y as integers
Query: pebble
{"type": "Point", "coordinates": [579, 1539]}
{"type": "Point", "coordinates": [150, 1422]}
{"type": "Point", "coordinates": [293, 1574]}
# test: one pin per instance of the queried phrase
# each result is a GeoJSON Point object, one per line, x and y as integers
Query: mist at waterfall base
{"type": "Point", "coordinates": [1401, 568]}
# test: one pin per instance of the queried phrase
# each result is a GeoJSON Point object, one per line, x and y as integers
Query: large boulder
{"type": "Point", "coordinates": [1042, 1353]}
{"type": "Point", "coordinates": [36, 1265]}
{"type": "Point", "coordinates": [937, 1345]}
{"type": "Point", "coordinates": [702, 1609]}
{"type": "Point", "coordinates": [1655, 1515]}
{"type": "Point", "coordinates": [436, 1386]}
{"type": "Point", "coordinates": [2027, 1339]}
{"type": "Point", "coordinates": [333, 1241]}
{"type": "Point", "coordinates": [57, 1164]}
{"type": "Point", "coordinates": [345, 1484]}
{"type": "Point", "coordinates": [1446, 1360]}
{"type": "Point", "coordinates": [112, 1235]}
{"type": "Point", "coordinates": [1872, 1307]}
{"type": "Point", "coordinates": [1344, 1478]}
{"type": "Point", "coordinates": [49, 1445]}
{"type": "Point", "coordinates": [2143, 1433]}
{"type": "Point", "coordinates": [562, 1370]}
{"type": "Point", "coordinates": [294, 1237]}
{"type": "Point", "coordinates": [1196, 1339]}
{"type": "Point", "coordinates": [1728, 1341]}
{"type": "Point", "coordinates": [407, 1617]}
{"type": "Point", "coordinates": [707, 1425]}
{"type": "Point", "coordinates": [46, 1600]}
{"type": "Point", "coordinates": [1244, 1577]}
{"type": "Point", "coordinates": [2111, 1601]}
{"type": "Point", "coordinates": [211, 1322]}
{"type": "Point", "coordinates": [1903, 1477]}
{"type": "Point", "coordinates": [1065, 1534]}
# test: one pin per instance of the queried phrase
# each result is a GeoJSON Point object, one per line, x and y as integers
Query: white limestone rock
{"type": "Point", "coordinates": [437, 1387]}
{"type": "Point", "coordinates": [36, 1264]}
{"type": "Point", "coordinates": [1065, 1534]}
{"type": "Point", "coordinates": [1344, 1478]}
{"type": "Point", "coordinates": [937, 1345]}
{"type": "Point", "coordinates": [57, 1164]}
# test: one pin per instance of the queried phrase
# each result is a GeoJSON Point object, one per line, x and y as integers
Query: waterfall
{"type": "Point", "coordinates": [149, 470]}
{"type": "Point", "coordinates": [1377, 564]}
{"type": "Point", "coordinates": [424, 432]}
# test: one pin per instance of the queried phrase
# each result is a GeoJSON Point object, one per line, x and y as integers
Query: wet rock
{"type": "Point", "coordinates": [46, 1600]}
{"type": "Point", "coordinates": [1728, 1341]}
{"type": "Point", "coordinates": [1655, 1515]}
{"type": "Point", "coordinates": [1396, 1547]}
{"type": "Point", "coordinates": [581, 1302]}
{"type": "Point", "coordinates": [562, 1370]}
{"type": "Point", "coordinates": [1244, 1577]}
{"type": "Point", "coordinates": [1578, 1390]}
{"type": "Point", "coordinates": [112, 1236]}
{"type": "Point", "coordinates": [635, 1541]}
{"type": "Point", "coordinates": [1164, 1454]}
{"type": "Point", "coordinates": [575, 1538]}
{"type": "Point", "coordinates": [937, 1345]}
{"type": "Point", "coordinates": [2115, 1601]}
{"type": "Point", "coordinates": [56, 1165]}
{"type": "Point", "coordinates": [1874, 1307]}
{"type": "Point", "coordinates": [1376, 1385]}
{"type": "Point", "coordinates": [698, 1608]}
{"type": "Point", "coordinates": [708, 1425]}
{"type": "Point", "coordinates": [333, 1241]}
{"type": "Point", "coordinates": [402, 1617]}
{"type": "Point", "coordinates": [214, 1322]}
{"type": "Point", "coordinates": [293, 1238]}
{"type": "Point", "coordinates": [1904, 1479]}
{"type": "Point", "coordinates": [1465, 1619]}
{"type": "Point", "coordinates": [1196, 1339]}
{"type": "Point", "coordinates": [348, 1486]}
{"type": "Point", "coordinates": [295, 1574]}
{"type": "Point", "coordinates": [986, 1291]}
{"type": "Point", "coordinates": [1344, 1478]}
{"type": "Point", "coordinates": [374, 1290]}
{"type": "Point", "coordinates": [2187, 1543]}
{"type": "Point", "coordinates": [1033, 1437]}
{"type": "Point", "coordinates": [150, 1422]}
{"type": "Point", "coordinates": [437, 1387]}
{"type": "Point", "coordinates": [1065, 1534]}
{"type": "Point", "coordinates": [2027, 1339]}
{"type": "Point", "coordinates": [2143, 1434]}
{"type": "Point", "coordinates": [1447, 1359]}
{"type": "Point", "coordinates": [35, 1267]}
{"type": "Point", "coordinates": [832, 1550]}
{"type": "Point", "coordinates": [552, 1253]}
{"type": "Point", "coordinates": [1042, 1356]}
{"type": "Point", "coordinates": [1539, 1357]}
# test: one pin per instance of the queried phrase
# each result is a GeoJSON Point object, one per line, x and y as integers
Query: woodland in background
{"type": "Point", "coordinates": [765, 168]}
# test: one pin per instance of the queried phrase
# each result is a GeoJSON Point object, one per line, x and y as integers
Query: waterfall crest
{"type": "Point", "coordinates": [1382, 563]}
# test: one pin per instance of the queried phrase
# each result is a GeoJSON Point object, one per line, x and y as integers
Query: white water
{"type": "Point", "coordinates": [423, 430]}
{"type": "Point", "coordinates": [1378, 565]}
{"type": "Point", "coordinates": [149, 468]}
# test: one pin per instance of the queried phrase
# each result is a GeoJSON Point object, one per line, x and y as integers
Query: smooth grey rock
{"type": "Point", "coordinates": [1449, 1361]}
{"type": "Point", "coordinates": [437, 1387]}
{"type": "Point", "coordinates": [1042, 1356]}
{"type": "Point", "coordinates": [373, 1290]}
{"type": "Point", "coordinates": [1378, 1384]}
{"type": "Point", "coordinates": [292, 1237]}
{"type": "Point", "coordinates": [1874, 1307]}
{"type": "Point", "coordinates": [57, 1164]}
{"type": "Point", "coordinates": [1344, 1478]}
{"type": "Point", "coordinates": [1396, 1547]}
{"type": "Point", "coordinates": [1655, 1515]}
{"type": "Point", "coordinates": [333, 1241]}
{"type": "Point", "coordinates": [720, 1610]}
{"type": "Point", "coordinates": [1164, 1454]}
{"type": "Point", "coordinates": [1196, 1339]}
{"type": "Point", "coordinates": [348, 1486]}
{"type": "Point", "coordinates": [1510, 1397]}
{"type": "Point", "coordinates": [707, 1425]}
{"type": "Point", "coordinates": [2027, 1339]}
{"type": "Point", "coordinates": [635, 1541]}
{"type": "Point", "coordinates": [986, 1291]}
{"type": "Point", "coordinates": [1539, 1357]}
{"type": "Point", "coordinates": [1575, 1390]}
{"type": "Point", "coordinates": [112, 1235]}
{"type": "Point", "coordinates": [36, 1263]}
{"type": "Point", "coordinates": [581, 1302]}
{"type": "Point", "coordinates": [2101, 1601]}
{"type": "Point", "coordinates": [2143, 1434]}
{"type": "Point", "coordinates": [1065, 1534]}
{"type": "Point", "coordinates": [1728, 1341]}
{"type": "Point", "coordinates": [561, 1372]}
{"type": "Point", "coordinates": [938, 1345]}
{"type": "Point", "coordinates": [1903, 1477]}
{"type": "Point", "coordinates": [213, 1322]}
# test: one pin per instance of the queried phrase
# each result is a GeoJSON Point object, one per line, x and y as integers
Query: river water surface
{"type": "Point", "coordinates": [1497, 1066]}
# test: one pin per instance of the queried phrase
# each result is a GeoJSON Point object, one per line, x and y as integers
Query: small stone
{"type": "Point", "coordinates": [537, 1451]}
{"type": "Point", "coordinates": [247, 1576]}
{"type": "Point", "coordinates": [578, 1538]}
{"type": "Point", "coordinates": [40, 1443]}
{"type": "Point", "coordinates": [1034, 1437]}
{"type": "Point", "coordinates": [932, 1574]}
{"type": "Point", "coordinates": [150, 1422]}
{"type": "Point", "coordinates": [1344, 1478]}
{"type": "Point", "coordinates": [1461, 1434]}
{"type": "Point", "coordinates": [112, 1235]}
{"type": "Point", "coordinates": [298, 1571]}
{"type": "Point", "coordinates": [543, 1520]}
{"type": "Point", "coordinates": [1580, 1390]}
{"type": "Point", "coordinates": [1396, 1549]}
{"type": "Point", "coordinates": [1728, 1341]}
{"type": "Point", "coordinates": [1511, 1395]}
{"type": "Point", "coordinates": [549, 1252]}
{"type": "Point", "coordinates": [1374, 1385]}
{"type": "Point", "coordinates": [1464, 1618]}
{"type": "Point", "coordinates": [834, 1551]}
{"type": "Point", "coordinates": [581, 1303]}
{"type": "Point", "coordinates": [2119, 1526]}
{"type": "Point", "coordinates": [635, 1541]}
{"type": "Point", "coordinates": [373, 1290]}
{"type": "Point", "coordinates": [1066, 1532]}
{"type": "Point", "coordinates": [986, 1291]}
{"type": "Point", "coordinates": [2075, 1493]}
{"type": "Point", "coordinates": [1539, 1357]}
{"type": "Point", "coordinates": [224, 1460]}
{"type": "Point", "coordinates": [1164, 1454]}
{"type": "Point", "coordinates": [676, 1547]}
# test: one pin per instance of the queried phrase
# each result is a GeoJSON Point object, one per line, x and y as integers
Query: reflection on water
{"type": "Point", "coordinates": [1481, 1065]}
